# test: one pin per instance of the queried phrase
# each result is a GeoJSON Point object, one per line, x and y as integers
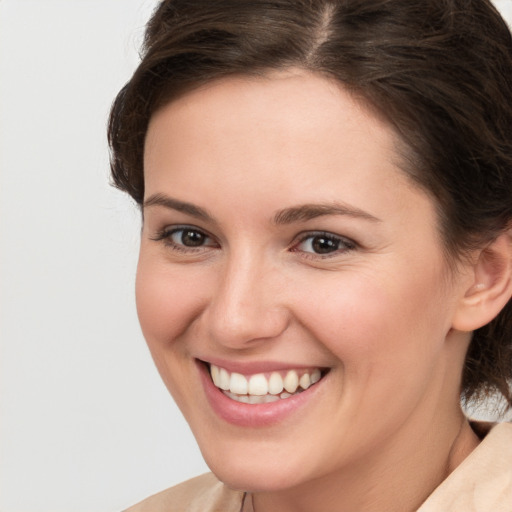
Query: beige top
{"type": "Point", "coordinates": [482, 483]}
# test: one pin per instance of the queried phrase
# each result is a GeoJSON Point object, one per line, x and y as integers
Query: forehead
{"type": "Point", "coordinates": [307, 94]}
{"type": "Point", "coordinates": [271, 122]}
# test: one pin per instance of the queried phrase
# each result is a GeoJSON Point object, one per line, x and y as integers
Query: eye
{"type": "Point", "coordinates": [324, 244]}
{"type": "Point", "coordinates": [188, 237]}
{"type": "Point", "coordinates": [185, 238]}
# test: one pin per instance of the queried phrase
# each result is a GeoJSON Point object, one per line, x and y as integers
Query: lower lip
{"type": "Point", "coordinates": [253, 415]}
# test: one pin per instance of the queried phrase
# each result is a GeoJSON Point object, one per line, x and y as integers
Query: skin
{"type": "Point", "coordinates": [385, 427]}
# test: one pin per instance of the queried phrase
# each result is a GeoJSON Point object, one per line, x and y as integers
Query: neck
{"type": "Point", "coordinates": [398, 478]}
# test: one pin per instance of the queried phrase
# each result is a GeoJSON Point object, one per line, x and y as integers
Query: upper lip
{"type": "Point", "coordinates": [253, 367]}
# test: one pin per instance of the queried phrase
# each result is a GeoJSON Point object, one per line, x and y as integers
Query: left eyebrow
{"type": "Point", "coordinates": [312, 211]}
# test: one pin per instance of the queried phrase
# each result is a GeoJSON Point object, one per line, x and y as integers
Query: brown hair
{"type": "Point", "coordinates": [440, 71]}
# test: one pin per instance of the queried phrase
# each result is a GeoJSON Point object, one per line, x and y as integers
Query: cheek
{"type": "Point", "coordinates": [167, 303]}
{"type": "Point", "coordinates": [166, 300]}
{"type": "Point", "coordinates": [372, 324]}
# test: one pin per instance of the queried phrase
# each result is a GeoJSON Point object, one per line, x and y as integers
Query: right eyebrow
{"type": "Point", "coordinates": [180, 206]}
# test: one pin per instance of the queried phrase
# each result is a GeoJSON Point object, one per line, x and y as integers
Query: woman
{"type": "Point", "coordinates": [326, 254]}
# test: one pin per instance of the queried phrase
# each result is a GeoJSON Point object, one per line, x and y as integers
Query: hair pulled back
{"type": "Point", "coordinates": [440, 71]}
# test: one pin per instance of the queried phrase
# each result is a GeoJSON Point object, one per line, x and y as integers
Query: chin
{"type": "Point", "coordinates": [248, 473]}
{"type": "Point", "coordinates": [255, 479]}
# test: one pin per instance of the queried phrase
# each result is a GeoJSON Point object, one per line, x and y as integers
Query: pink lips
{"type": "Point", "coordinates": [252, 415]}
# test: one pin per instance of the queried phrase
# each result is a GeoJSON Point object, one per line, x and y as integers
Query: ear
{"type": "Point", "coordinates": [490, 288]}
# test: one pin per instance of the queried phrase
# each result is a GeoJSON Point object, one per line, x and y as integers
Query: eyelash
{"type": "Point", "coordinates": [165, 235]}
{"type": "Point", "coordinates": [344, 245]}
{"type": "Point", "coordinates": [341, 245]}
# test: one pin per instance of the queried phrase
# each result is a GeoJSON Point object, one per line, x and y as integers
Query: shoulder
{"type": "Point", "coordinates": [483, 482]}
{"type": "Point", "coordinates": [201, 494]}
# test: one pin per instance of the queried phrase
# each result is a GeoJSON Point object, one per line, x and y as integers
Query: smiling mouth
{"type": "Point", "coordinates": [263, 388]}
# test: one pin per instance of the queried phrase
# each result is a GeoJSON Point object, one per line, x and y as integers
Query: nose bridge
{"type": "Point", "coordinates": [246, 305]}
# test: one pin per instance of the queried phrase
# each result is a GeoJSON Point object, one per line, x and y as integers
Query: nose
{"type": "Point", "coordinates": [246, 306]}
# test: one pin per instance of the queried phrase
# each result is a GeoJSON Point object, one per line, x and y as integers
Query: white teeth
{"type": "Point", "coordinates": [258, 385]}
{"type": "Point", "coordinates": [305, 381]}
{"type": "Point", "coordinates": [214, 370]}
{"type": "Point", "coordinates": [257, 389]}
{"type": "Point", "coordinates": [275, 384]}
{"type": "Point", "coordinates": [223, 379]}
{"type": "Point", "coordinates": [238, 384]}
{"type": "Point", "coordinates": [291, 381]}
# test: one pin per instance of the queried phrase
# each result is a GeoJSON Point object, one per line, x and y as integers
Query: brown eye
{"type": "Point", "coordinates": [190, 237]}
{"type": "Point", "coordinates": [185, 238]}
{"type": "Point", "coordinates": [324, 244]}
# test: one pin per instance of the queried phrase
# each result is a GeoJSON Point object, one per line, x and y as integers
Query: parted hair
{"type": "Point", "coordinates": [439, 71]}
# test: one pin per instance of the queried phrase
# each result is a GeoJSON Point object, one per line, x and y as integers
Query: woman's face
{"type": "Point", "coordinates": [282, 244]}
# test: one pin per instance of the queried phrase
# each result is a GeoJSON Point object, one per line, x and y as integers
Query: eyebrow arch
{"type": "Point", "coordinates": [312, 211]}
{"type": "Point", "coordinates": [286, 216]}
{"type": "Point", "coordinates": [180, 206]}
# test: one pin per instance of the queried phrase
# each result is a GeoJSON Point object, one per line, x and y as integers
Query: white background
{"type": "Point", "coordinates": [85, 423]}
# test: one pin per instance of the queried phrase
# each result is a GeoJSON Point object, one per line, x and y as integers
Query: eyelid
{"type": "Point", "coordinates": [165, 235]}
{"type": "Point", "coordinates": [346, 243]}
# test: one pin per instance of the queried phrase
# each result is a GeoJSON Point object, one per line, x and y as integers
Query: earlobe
{"type": "Point", "coordinates": [491, 286]}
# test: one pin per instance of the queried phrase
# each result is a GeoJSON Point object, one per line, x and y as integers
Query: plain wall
{"type": "Point", "coordinates": [85, 423]}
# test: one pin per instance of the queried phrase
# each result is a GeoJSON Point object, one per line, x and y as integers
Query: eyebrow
{"type": "Point", "coordinates": [290, 215]}
{"type": "Point", "coordinates": [312, 211]}
{"type": "Point", "coordinates": [180, 206]}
